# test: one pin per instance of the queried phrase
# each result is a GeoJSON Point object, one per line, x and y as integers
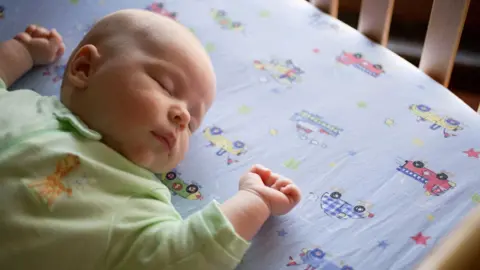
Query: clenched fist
{"type": "Point", "coordinates": [45, 46]}
{"type": "Point", "coordinates": [281, 195]}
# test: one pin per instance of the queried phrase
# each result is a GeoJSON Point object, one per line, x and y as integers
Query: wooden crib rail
{"type": "Point", "coordinates": [445, 27]}
{"type": "Point", "coordinates": [460, 249]}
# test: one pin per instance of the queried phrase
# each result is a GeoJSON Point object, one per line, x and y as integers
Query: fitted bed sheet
{"type": "Point", "coordinates": [387, 159]}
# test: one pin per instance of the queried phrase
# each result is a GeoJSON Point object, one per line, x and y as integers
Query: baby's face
{"type": "Point", "coordinates": [147, 102]}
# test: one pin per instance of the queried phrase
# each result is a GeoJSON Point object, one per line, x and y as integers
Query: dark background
{"type": "Point", "coordinates": [407, 33]}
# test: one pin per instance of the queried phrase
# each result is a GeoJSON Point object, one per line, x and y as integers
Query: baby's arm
{"type": "Point", "coordinates": [210, 239]}
{"type": "Point", "coordinates": [35, 46]}
{"type": "Point", "coordinates": [262, 193]}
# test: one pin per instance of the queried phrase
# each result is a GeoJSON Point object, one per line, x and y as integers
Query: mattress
{"type": "Point", "coordinates": [387, 159]}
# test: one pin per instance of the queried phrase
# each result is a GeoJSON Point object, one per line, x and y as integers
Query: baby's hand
{"type": "Point", "coordinates": [45, 46]}
{"type": "Point", "coordinates": [280, 194]}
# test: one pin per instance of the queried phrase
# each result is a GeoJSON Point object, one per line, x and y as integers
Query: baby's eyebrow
{"type": "Point", "coordinates": [177, 75]}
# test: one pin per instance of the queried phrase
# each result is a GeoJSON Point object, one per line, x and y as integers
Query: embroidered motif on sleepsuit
{"type": "Point", "coordinates": [160, 9]}
{"type": "Point", "coordinates": [179, 187]}
{"type": "Point", "coordinates": [316, 258]}
{"type": "Point", "coordinates": [356, 60]}
{"type": "Point", "coordinates": [434, 183]}
{"type": "Point", "coordinates": [216, 138]}
{"type": "Point", "coordinates": [221, 18]}
{"type": "Point", "coordinates": [307, 124]}
{"type": "Point", "coordinates": [449, 125]}
{"type": "Point", "coordinates": [56, 72]}
{"type": "Point", "coordinates": [53, 186]}
{"type": "Point", "coordinates": [283, 72]}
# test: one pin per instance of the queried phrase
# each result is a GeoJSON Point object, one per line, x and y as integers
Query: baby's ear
{"type": "Point", "coordinates": [82, 66]}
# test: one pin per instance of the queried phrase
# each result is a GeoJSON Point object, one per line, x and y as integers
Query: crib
{"type": "Point", "coordinates": [460, 249]}
{"type": "Point", "coordinates": [386, 156]}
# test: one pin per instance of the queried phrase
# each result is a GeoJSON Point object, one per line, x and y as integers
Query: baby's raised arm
{"type": "Point", "coordinates": [214, 238]}
{"type": "Point", "coordinates": [35, 46]}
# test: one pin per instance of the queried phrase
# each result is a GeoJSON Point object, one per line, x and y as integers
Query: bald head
{"type": "Point", "coordinates": [138, 29]}
{"type": "Point", "coordinates": [131, 31]}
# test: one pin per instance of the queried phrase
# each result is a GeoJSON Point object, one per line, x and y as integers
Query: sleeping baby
{"type": "Point", "coordinates": [77, 184]}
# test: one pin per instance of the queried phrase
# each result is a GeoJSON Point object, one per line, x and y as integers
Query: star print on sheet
{"type": "Point", "coordinates": [210, 47]}
{"type": "Point", "coordinates": [282, 233]}
{"type": "Point", "coordinates": [430, 217]}
{"type": "Point", "coordinates": [244, 109]}
{"type": "Point", "coordinates": [382, 244]}
{"type": "Point", "coordinates": [476, 198]}
{"type": "Point", "coordinates": [420, 239]}
{"type": "Point", "coordinates": [264, 14]}
{"type": "Point", "coordinates": [273, 132]}
{"type": "Point", "coordinates": [362, 104]}
{"type": "Point", "coordinates": [292, 164]}
{"type": "Point", "coordinates": [352, 153]}
{"type": "Point", "coordinates": [472, 153]}
{"type": "Point", "coordinates": [74, 2]}
{"type": "Point", "coordinates": [389, 122]}
{"type": "Point", "coordinates": [316, 50]}
{"type": "Point", "coordinates": [417, 142]}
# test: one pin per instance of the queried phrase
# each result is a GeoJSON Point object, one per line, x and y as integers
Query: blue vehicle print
{"type": "Point", "coordinates": [333, 206]}
{"type": "Point", "coordinates": [315, 259]}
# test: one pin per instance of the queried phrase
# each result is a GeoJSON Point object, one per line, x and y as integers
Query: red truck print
{"type": "Point", "coordinates": [159, 9]}
{"type": "Point", "coordinates": [356, 60]}
{"type": "Point", "coordinates": [434, 183]}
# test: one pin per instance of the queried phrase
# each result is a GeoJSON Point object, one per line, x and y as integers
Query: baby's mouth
{"type": "Point", "coordinates": [163, 140]}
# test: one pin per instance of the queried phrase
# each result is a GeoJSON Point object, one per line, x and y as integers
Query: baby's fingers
{"type": "Point", "coordinates": [292, 192]}
{"type": "Point", "coordinates": [280, 182]}
{"type": "Point", "coordinates": [23, 37]}
{"type": "Point", "coordinates": [264, 173]}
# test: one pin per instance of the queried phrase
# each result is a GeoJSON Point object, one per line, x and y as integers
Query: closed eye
{"type": "Point", "coordinates": [163, 88]}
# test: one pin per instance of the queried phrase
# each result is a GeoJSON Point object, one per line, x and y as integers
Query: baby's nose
{"type": "Point", "coordinates": [180, 117]}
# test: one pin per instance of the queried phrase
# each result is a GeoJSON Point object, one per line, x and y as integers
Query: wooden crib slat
{"type": "Point", "coordinates": [329, 6]}
{"type": "Point", "coordinates": [443, 36]}
{"type": "Point", "coordinates": [375, 19]}
{"type": "Point", "coordinates": [460, 249]}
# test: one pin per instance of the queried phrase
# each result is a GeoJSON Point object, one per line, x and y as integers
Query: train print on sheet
{"type": "Point", "coordinates": [434, 183]}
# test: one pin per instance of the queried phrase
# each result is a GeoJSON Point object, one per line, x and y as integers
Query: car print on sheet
{"type": "Point", "coordinates": [333, 206]}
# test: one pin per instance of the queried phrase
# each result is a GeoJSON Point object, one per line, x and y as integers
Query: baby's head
{"type": "Point", "coordinates": [144, 82]}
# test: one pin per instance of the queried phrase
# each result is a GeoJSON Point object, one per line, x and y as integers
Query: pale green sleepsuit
{"type": "Point", "coordinates": [67, 201]}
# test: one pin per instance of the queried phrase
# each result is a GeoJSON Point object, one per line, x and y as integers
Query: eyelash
{"type": "Point", "coordinates": [164, 88]}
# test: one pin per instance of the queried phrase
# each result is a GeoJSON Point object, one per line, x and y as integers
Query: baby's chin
{"type": "Point", "coordinates": [154, 162]}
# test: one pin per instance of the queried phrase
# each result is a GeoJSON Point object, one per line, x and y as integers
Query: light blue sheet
{"type": "Point", "coordinates": [363, 133]}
